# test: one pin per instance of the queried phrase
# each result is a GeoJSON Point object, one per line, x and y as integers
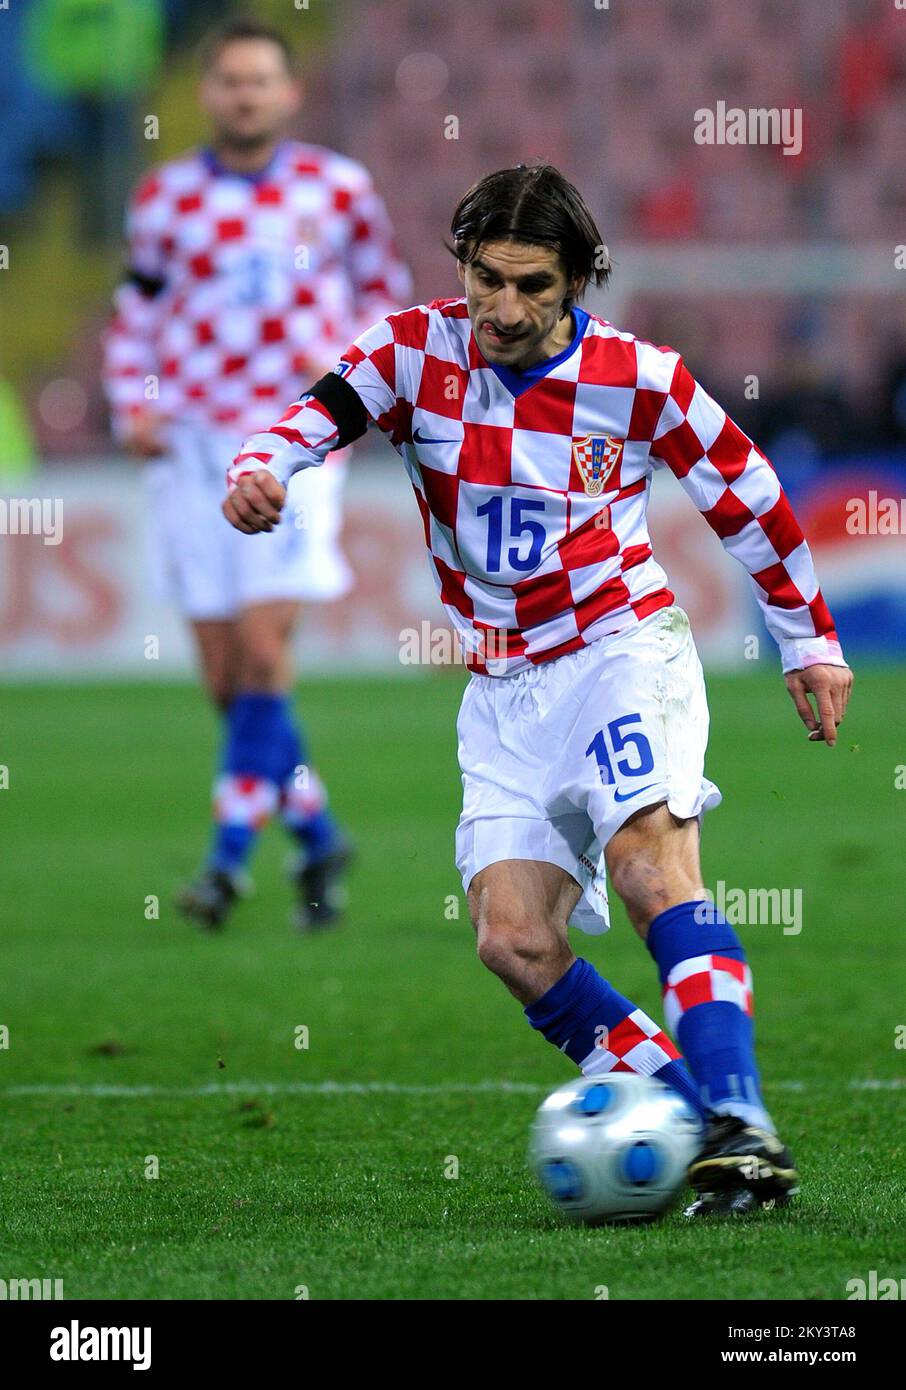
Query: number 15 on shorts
{"type": "Point", "coordinates": [622, 747]}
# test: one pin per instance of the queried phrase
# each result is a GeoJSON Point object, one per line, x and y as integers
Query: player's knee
{"type": "Point", "coordinates": [638, 882]}
{"type": "Point", "coordinates": [261, 666]}
{"type": "Point", "coordinates": [508, 941]}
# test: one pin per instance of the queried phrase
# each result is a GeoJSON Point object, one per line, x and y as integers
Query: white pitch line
{"type": "Point", "coordinates": [282, 1088]}
{"type": "Point", "coordinates": [367, 1088]}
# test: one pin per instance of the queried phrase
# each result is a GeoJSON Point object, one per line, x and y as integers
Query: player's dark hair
{"type": "Point", "coordinates": [536, 205]}
{"type": "Point", "coordinates": [237, 30]}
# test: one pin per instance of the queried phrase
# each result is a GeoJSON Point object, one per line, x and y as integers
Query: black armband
{"type": "Point", "coordinates": [149, 286]}
{"type": "Point", "coordinates": [345, 407]}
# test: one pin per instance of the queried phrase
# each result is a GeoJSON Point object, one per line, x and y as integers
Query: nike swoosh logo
{"type": "Point", "coordinates": [419, 438]}
{"type": "Point", "coordinates": [629, 795]}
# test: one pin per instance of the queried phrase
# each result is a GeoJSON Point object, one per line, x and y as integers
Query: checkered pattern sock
{"type": "Point", "coordinates": [708, 1006]}
{"type": "Point", "coordinates": [602, 1031]}
{"type": "Point", "coordinates": [247, 788]}
{"type": "Point", "coordinates": [303, 796]}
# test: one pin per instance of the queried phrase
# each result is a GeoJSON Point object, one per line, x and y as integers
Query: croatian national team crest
{"type": "Point", "coordinates": [596, 456]}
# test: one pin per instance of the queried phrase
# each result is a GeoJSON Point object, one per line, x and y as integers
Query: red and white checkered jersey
{"type": "Point", "coordinates": [533, 487]}
{"type": "Point", "coordinates": [241, 285]}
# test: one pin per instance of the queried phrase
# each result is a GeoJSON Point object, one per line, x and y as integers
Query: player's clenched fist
{"type": "Point", "coordinates": [254, 502]}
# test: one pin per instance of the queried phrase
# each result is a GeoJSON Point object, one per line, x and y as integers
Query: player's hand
{"type": "Point", "coordinates": [255, 503]}
{"type": "Point", "coordinates": [829, 688]}
{"type": "Point", "coordinates": [142, 436]}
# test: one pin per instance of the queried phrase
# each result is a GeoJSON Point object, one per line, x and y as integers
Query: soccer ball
{"type": "Point", "coordinates": [613, 1148]}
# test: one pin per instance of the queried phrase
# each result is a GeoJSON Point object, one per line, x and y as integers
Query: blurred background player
{"type": "Point", "coordinates": [251, 263]}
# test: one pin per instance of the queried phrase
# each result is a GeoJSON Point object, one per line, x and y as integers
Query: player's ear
{"type": "Point", "coordinates": [461, 272]}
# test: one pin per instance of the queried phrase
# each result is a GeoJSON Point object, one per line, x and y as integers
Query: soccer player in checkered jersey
{"type": "Point", "coordinates": [251, 264]}
{"type": "Point", "coordinates": [530, 430]}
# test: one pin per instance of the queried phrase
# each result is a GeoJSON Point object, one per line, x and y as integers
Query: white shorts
{"type": "Point", "coordinates": [556, 758]}
{"type": "Point", "coordinates": [211, 570]}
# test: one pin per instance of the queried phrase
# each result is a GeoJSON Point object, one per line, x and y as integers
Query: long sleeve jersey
{"type": "Point", "coordinates": [239, 284]}
{"type": "Point", "coordinates": [533, 485]}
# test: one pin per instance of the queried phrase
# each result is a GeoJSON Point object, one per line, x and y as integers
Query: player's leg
{"type": "Point", "coordinates": [652, 854]}
{"type": "Point", "coordinates": [263, 652]}
{"type": "Point", "coordinates": [243, 595]}
{"type": "Point", "coordinates": [653, 863]}
{"type": "Point", "coordinates": [520, 910]}
{"type": "Point", "coordinates": [247, 667]}
{"type": "Point", "coordinates": [277, 752]}
{"type": "Point", "coordinates": [208, 898]}
{"type": "Point", "coordinates": [215, 645]}
{"type": "Point", "coordinates": [300, 561]}
{"type": "Point", "coordinates": [191, 552]}
{"type": "Point", "coordinates": [253, 672]}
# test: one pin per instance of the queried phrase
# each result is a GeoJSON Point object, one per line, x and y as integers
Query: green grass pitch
{"type": "Point", "coordinates": [131, 1037]}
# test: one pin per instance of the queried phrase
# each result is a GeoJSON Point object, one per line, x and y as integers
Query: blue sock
{"type": "Point", "coordinates": [247, 789]}
{"type": "Point", "coordinates": [231, 847]}
{"type": "Point", "coordinates": [303, 797]}
{"type": "Point", "coordinates": [708, 1006]}
{"type": "Point", "coordinates": [602, 1031]}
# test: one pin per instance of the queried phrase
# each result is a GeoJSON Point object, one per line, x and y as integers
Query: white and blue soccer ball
{"type": "Point", "coordinates": [614, 1148]}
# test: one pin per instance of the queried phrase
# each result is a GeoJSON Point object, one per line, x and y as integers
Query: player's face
{"type": "Point", "coordinates": [515, 297]}
{"type": "Point", "coordinates": [249, 94]}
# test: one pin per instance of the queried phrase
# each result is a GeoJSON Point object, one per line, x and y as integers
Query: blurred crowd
{"type": "Point", "coordinates": [523, 79]}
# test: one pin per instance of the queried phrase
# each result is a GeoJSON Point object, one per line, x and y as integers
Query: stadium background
{"type": "Point", "coordinates": [757, 266]}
